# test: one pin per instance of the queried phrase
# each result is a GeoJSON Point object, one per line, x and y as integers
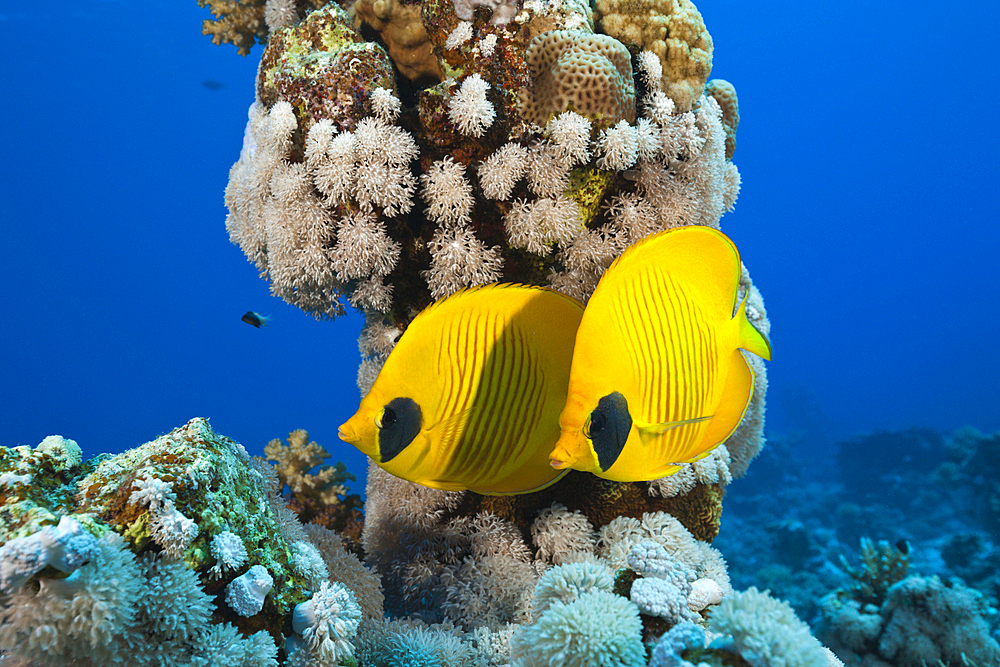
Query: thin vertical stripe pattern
{"type": "Point", "coordinates": [673, 358]}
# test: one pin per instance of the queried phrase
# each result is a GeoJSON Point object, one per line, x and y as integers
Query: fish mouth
{"type": "Point", "coordinates": [346, 435]}
{"type": "Point", "coordinates": [560, 458]}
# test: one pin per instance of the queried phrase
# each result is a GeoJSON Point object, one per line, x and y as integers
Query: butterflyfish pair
{"type": "Point", "coordinates": [658, 377]}
{"type": "Point", "coordinates": [504, 388]}
{"type": "Point", "coordinates": [470, 396]}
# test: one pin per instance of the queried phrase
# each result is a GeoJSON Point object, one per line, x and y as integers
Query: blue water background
{"type": "Point", "coordinates": [867, 147]}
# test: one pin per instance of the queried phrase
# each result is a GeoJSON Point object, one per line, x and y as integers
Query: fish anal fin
{"type": "Point", "coordinates": [558, 475]}
{"type": "Point", "coordinates": [695, 459]}
{"type": "Point", "coordinates": [735, 398]}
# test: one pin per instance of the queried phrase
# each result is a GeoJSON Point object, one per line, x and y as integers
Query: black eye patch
{"type": "Point", "coordinates": [398, 426]}
{"type": "Point", "coordinates": [608, 429]}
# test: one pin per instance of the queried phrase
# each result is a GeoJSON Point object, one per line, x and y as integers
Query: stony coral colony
{"type": "Point", "coordinates": [397, 152]}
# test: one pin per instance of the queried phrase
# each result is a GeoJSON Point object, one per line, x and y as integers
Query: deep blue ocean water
{"type": "Point", "coordinates": [867, 148]}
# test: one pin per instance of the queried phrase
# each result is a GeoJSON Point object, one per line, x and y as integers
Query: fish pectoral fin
{"type": "Point", "coordinates": [452, 425]}
{"type": "Point", "coordinates": [663, 427]}
{"type": "Point", "coordinates": [648, 432]}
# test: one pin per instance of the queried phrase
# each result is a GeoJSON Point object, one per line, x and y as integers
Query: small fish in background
{"type": "Point", "coordinates": [470, 396]}
{"type": "Point", "coordinates": [256, 319]}
{"type": "Point", "coordinates": [212, 84]}
{"type": "Point", "coordinates": [658, 378]}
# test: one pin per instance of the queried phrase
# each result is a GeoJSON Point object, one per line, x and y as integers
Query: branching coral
{"type": "Point", "coordinates": [295, 461]}
{"type": "Point", "coordinates": [882, 565]}
{"type": "Point", "coordinates": [317, 491]}
{"type": "Point", "coordinates": [240, 22]}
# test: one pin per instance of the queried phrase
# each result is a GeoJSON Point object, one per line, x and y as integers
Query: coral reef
{"type": "Point", "coordinates": [922, 621]}
{"type": "Point", "coordinates": [398, 151]}
{"type": "Point", "coordinates": [973, 464]}
{"type": "Point", "coordinates": [163, 554]}
{"type": "Point", "coordinates": [490, 144]}
{"type": "Point", "coordinates": [796, 531]}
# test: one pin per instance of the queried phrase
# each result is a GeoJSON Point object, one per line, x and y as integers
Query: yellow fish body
{"type": "Point", "coordinates": [470, 396]}
{"type": "Point", "coordinates": [658, 378]}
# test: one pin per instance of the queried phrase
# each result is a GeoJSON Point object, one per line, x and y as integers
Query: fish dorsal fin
{"type": "Point", "coordinates": [702, 258]}
{"type": "Point", "coordinates": [481, 291]}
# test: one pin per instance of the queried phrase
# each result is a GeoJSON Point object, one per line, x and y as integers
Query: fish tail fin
{"type": "Point", "coordinates": [750, 338]}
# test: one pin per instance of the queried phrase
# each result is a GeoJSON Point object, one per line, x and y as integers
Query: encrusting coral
{"type": "Point", "coordinates": [162, 554]}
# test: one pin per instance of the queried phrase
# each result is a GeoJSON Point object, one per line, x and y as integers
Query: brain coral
{"type": "Point", "coordinates": [674, 31]}
{"type": "Point", "coordinates": [571, 69]}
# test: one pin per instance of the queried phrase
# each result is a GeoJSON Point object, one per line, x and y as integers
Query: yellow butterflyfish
{"type": "Point", "coordinates": [470, 396]}
{"type": "Point", "coordinates": [658, 377]}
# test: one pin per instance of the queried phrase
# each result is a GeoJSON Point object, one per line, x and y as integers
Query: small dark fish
{"type": "Point", "coordinates": [212, 84]}
{"type": "Point", "coordinates": [256, 319]}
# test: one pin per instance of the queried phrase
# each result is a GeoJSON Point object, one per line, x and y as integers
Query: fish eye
{"type": "Point", "coordinates": [386, 418]}
{"type": "Point", "coordinates": [398, 424]}
{"type": "Point", "coordinates": [609, 427]}
{"type": "Point", "coordinates": [596, 424]}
